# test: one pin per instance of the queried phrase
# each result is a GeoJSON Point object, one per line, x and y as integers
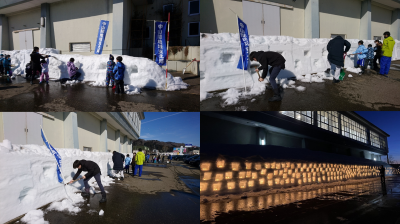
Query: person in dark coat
{"type": "Point", "coordinates": [35, 60]}
{"type": "Point", "coordinates": [382, 172]}
{"type": "Point", "coordinates": [277, 63]}
{"type": "Point", "coordinates": [336, 55]}
{"type": "Point", "coordinates": [133, 163]}
{"type": "Point", "coordinates": [378, 54]}
{"type": "Point", "coordinates": [93, 170]}
{"type": "Point", "coordinates": [118, 160]}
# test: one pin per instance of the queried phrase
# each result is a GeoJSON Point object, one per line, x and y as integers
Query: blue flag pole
{"type": "Point", "coordinates": [241, 54]}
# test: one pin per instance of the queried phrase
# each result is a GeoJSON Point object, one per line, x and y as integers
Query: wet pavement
{"type": "Point", "coordinates": [360, 92]}
{"type": "Point", "coordinates": [351, 203]}
{"type": "Point", "coordinates": [159, 196]}
{"type": "Point", "coordinates": [21, 96]}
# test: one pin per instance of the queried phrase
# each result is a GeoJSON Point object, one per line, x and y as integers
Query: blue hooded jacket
{"type": "Point", "coordinates": [119, 70]}
{"type": "Point", "coordinates": [363, 50]}
{"type": "Point", "coordinates": [7, 63]}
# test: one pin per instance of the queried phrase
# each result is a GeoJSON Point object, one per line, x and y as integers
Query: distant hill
{"type": "Point", "coordinates": [161, 146]}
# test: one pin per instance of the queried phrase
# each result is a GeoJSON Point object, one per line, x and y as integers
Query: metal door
{"type": "Point", "coordinates": [15, 127]}
{"type": "Point", "coordinates": [29, 39]}
{"type": "Point", "coordinates": [22, 42]}
{"type": "Point", "coordinates": [272, 20]}
{"type": "Point", "coordinates": [253, 17]}
{"type": "Point", "coordinates": [33, 123]}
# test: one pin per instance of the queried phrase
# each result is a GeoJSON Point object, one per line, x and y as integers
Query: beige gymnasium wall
{"type": "Point", "coordinates": [381, 20]}
{"type": "Point", "coordinates": [54, 129]}
{"type": "Point", "coordinates": [216, 17]}
{"type": "Point", "coordinates": [110, 138]}
{"type": "Point", "coordinates": [78, 21]}
{"type": "Point", "coordinates": [292, 20]}
{"type": "Point", "coordinates": [340, 17]}
{"type": "Point", "coordinates": [88, 131]}
{"type": "Point", "coordinates": [24, 20]}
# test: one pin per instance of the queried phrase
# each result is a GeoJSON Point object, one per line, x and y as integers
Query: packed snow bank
{"type": "Point", "coordinates": [34, 217]}
{"type": "Point", "coordinates": [220, 55]}
{"type": "Point", "coordinates": [140, 72]}
{"type": "Point", "coordinates": [29, 178]}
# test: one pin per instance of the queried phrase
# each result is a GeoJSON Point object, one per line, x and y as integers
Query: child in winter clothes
{"type": "Point", "coordinates": [45, 70]}
{"type": "Point", "coordinates": [110, 69]}
{"type": "Point", "coordinates": [7, 65]}
{"type": "Point", "coordinates": [72, 70]}
{"type": "Point", "coordinates": [370, 56]}
{"type": "Point", "coordinates": [28, 69]}
{"type": "Point", "coordinates": [378, 50]}
{"type": "Point", "coordinates": [361, 53]}
{"type": "Point", "coordinates": [127, 163]}
{"type": "Point", "coordinates": [119, 71]}
{"type": "Point", "coordinates": [1, 63]}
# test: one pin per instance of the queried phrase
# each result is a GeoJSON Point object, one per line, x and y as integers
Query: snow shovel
{"type": "Point", "coordinates": [188, 65]}
{"type": "Point", "coordinates": [258, 75]}
{"type": "Point", "coordinates": [342, 72]}
{"type": "Point", "coordinates": [75, 181]}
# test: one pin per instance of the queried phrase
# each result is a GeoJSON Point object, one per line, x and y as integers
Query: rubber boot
{"type": "Point", "coordinates": [103, 198]}
{"type": "Point", "coordinates": [276, 97]}
{"type": "Point", "coordinates": [86, 194]}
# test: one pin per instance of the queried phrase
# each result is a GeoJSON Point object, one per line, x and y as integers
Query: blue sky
{"type": "Point", "coordinates": [389, 122]}
{"type": "Point", "coordinates": [172, 127]}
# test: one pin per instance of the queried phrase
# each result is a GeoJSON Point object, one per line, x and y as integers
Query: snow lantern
{"type": "Point", "coordinates": [231, 185]}
{"type": "Point", "coordinates": [262, 181]}
{"type": "Point", "coordinates": [220, 163]}
{"type": "Point", "coordinates": [285, 170]}
{"type": "Point", "coordinates": [228, 175]}
{"type": "Point", "coordinates": [263, 171]}
{"type": "Point", "coordinates": [287, 164]}
{"type": "Point", "coordinates": [203, 186]}
{"type": "Point", "coordinates": [285, 175]}
{"type": "Point", "coordinates": [299, 181]}
{"type": "Point", "coordinates": [219, 177]}
{"type": "Point", "coordinates": [277, 181]}
{"type": "Point", "coordinates": [280, 172]}
{"type": "Point", "coordinates": [270, 183]}
{"type": "Point", "coordinates": [207, 176]}
{"type": "Point", "coordinates": [273, 165]}
{"type": "Point", "coordinates": [205, 166]}
{"type": "Point", "coordinates": [267, 165]}
{"type": "Point", "coordinates": [251, 183]}
{"type": "Point", "coordinates": [216, 186]}
{"type": "Point", "coordinates": [242, 174]}
{"type": "Point", "coordinates": [235, 166]}
{"type": "Point", "coordinates": [242, 184]}
{"type": "Point", "coordinates": [278, 166]}
{"type": "Point", "coordinates": [270, 176]}
{"type": "Point", "coordinates": [314, 179]}
{"type": "Point", "coordinates": [292, 180]}
{"type": "Point", "coordinates": [258, 166]}
{"type": "Point", "coordinates": [282, 182]}
{"type": "Point", "coordinates": [276, 172]}
{"type": "Point", "coordinates": [290, 172]}
{"type": "Point", "coordinates": [248, 166]}
{"type": "Point", "coordinates": [248, 174]}
{"type": "Point", "coordinates": [254, 175]}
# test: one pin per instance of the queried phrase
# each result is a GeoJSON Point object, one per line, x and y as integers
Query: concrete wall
{"type": "Point", "coordinates": [78, 21]}
{"type": "Point", "coordinates": [54, 129]}
{"type": "Point", "coordinates": [88, 131]}
{"type": "Point", "coordinates": [110, 138]}
{"type": "Point", "coordinates": [216, 17]}
{"type": "Point", "coordinates": [340, 17]}
{"type": "Point", "coordinates": [381, 20]}
{"type": "Point", "coordinates": [192, 41]}
{"type": "Point", "coordinates": [23, 20]}
{"type": "Point", "coordinates": [292, 20]}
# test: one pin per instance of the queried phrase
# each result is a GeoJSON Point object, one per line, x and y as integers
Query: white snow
{"type": "Point", "coordinates": [140, 72]}
{"type": "Point", "coordinates": [353, 70]}
{"type": "Point", "coordinates": [300, 88]}
{"type": "Point", "coordinates": [350, 76]}
{"type": "Point", "coordinates": [101, 212]}
{"type": "Point", "coordinates": [34, 217]}
{"type": "Point", "coordinates": [306, 61]}
{"type": "Point", "coordinates": [231, 96]}
{"type": "Point", "coordinates": [29, 178]}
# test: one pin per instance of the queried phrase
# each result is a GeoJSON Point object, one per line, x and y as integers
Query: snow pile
{"type": "Point", "coordinates": [220, 54]}
{"type": "Point", "coordinates": [34, 217]}
{"type": "Point", "coordinates": [131, 90]}
{"type": "Point", "coordinates": [354, 70]}
{"type": "Point", "coordinates": [101, 212]}
{"type": "Point", "coordinates": [350, 76]}
{"type": "Point", "coordinates": [29, 178]}
{"type": "Point", "coordinates": [140, 72]}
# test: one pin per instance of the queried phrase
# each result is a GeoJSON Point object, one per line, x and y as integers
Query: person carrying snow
{"type": "Point", "coordinates": [370, 56]}
{"type": "Point", "coordinates": [139, 159]}
{"type": "Point", "coordinates": [119, 71]}
{"type": "Point", "coordinates": [337, 48]}
{"type": "Point", "coordinates": [378, 51]}
{"type": "Point", "coordinates": [387, 51]}
{"type": "Point", "coordinates": [7, 65]}
{"type": "Point", "coordinates": [277, 63]}
{"type": "Point", "coordinates": [110, 69]}
{"type": "Point", "coordinates": [361, 53]}
{"type": "Point", "coordinates": [118, 160]}
{"type": "Point", "coordinates": [127, 163]}
{"type": "Point", "coordinates": [36, 65]}
{"type": "Point", "coordinates": [45, 71]}
{"type": "Point", "coordinates": [1, 63]}
{"type": "Point", "coordinates": [93, 170]}
{"type": "Point", "coordinates": [72, 70]}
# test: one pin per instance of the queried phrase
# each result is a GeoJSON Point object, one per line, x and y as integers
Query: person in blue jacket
{"type": "Point", "coordinates": [7, 65]}
{"type": "Point", "coordinates": [127, 162]}
{"type": "Point", "coordinates": [370, 56]}
{"type": "Point", "coordinates": [110, 69]}
{"type": "Point", "coordinates": [119, 70]}
{"type": "Point", "coordinates": [1, 63]}
{"type": "Point", "coordinates": [361, 53]}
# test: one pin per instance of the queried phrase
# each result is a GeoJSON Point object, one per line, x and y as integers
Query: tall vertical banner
{"type": "Point", "coordinates": [101, 36]}
{"type": "Point", "coordinates": [161, 43]}
{"type": "Point", "coordinates": [56, 155]}
{"type": "Point", "coordinates": [245, 43]}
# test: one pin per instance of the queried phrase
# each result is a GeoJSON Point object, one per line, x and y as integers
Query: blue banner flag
{"type": "Point", "coordinates": [245, 43]}
{"type": "Point", "coordinates": [160, 43]}
{"type": "Point", "coordinates": [56, 155]}
{"type": "Point", "coordinates": [101, 36]}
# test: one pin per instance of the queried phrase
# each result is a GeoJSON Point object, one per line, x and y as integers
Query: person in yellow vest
{"type": "Point", "coordinates": [387, 50]}
{"type": "Point", "coordinates": [139, 159]}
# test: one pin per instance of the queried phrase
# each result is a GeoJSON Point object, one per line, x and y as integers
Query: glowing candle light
{"type": "Point", "coordinates": [298, 175]}
{"type": "Point", "coordinates": [262, 181]}
{"type": "Point", "coordinates": [263, 171]}
{"type": "Point", "coordinates": [282, 182]}
{"type": "Point", "coordinates": [285, 170]}
{"type": "Point", "coordinates": [242, 175]}
{"type": "Point", "coordinates": [251, 183]}
{"type": "Point", "coordinates": [248, 166]}
{"type": "Point", "coordinates": [284, 175]}
{"type": "Point", "coordinates": [258, 166]}
{"type": "Point", "coordinates": [277, 180]}
{"type": "Point", "coordinates": [270, 176]}
{"type": "Point", "coordinates": [235, 166]}
{"type": "Point", "coordinates": [228, 175]}
{"type": "Point", "coordinates": [267, 165]}
{"type": "Point", "coordinates": [231, 185]}
{"type": "Point", "coordinates": [319, 179]}
{"type": "Point", "coordinates": [287, 164]}
{"type": "Point", "coordinates": [323, 178]}
{"type": "Point", "coordinates": [308, 174]}
{"type": "Point", "coordinates": [299, 181]}
{"type": "Point", "coordinates": [207, 176]}
{"type": "Point", "coordinates": [292, 180]}
{"type": "Point", "coordinates": [270, 183]}
{"type": "Point", "coordinates": [219, 177]}
{"type": "Point", "coordinates": [273, 165]}
{"type": "Point", "coordinates": [304, 179]}
{"type": "Point", "coordinates": [216, 186]}
{"type": "Point", "coordinates": [290, 171]}
{"type": "Point", "coordinates": [242, 184]}
{"type": "Point", "coordinates": [278, 166]}
{"type": "Point", "coordinates": [248, 174]}
{"type": "Point", "coordinates": [203, 186]}
{"type": "Point", "coordinates": [314, 179]}
{"type": "Point", "coordinates": [205, 166]}
{"type": "Point", "coordinates": [287, 181]}
{"type": "Point", "coordinates": [280, 172]}
{"type": "Point", "coordinates": [220, 163]}
{"type": "Point", "coordinates": [254, 175]}
{"type": "Point", "coordinates": [276, 172]}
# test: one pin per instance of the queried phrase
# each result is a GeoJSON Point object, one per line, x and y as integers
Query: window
{"type": "Point", "coordinates": [328, 120]}
{"type": "Point", "coordinates": [147, 33]}
{"type": "Point", "coordinates": [80, 47]}
{"type": "Point", "coordinates": [87, 148]}
{"type": "Point", "coordinates": [194, 8]}
{"type": "Point", "coordinates": [352, 129]}
{"type": "Point", "coordinates": [305, 116]}
{"type": "Point", "coordinates": [383, 142]}
{"type": "Point", "coordinates": [377, 140]}
{"type": "Point", "coordinates": [168, 8]}
{"type": "Point", "coordinates": [377, 38]}
{"type": "Point", "coordinates": [335, 35]}
{"type": "Point", "coordinates": [194, 29]}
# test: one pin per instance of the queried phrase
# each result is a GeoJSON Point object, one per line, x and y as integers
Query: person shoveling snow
{"type": "Point", "coordinates": [93, 170]}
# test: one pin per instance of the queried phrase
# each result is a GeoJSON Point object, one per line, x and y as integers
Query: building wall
{"type": "Point", "coordinates": [381, 20]}
{"type": "Point", "coordinates": [292, 20]}
{"type": "Point", "coordinates": [216, 17]}
{"type": "Point", "coordinates": [54, 129]}
{"type": "Point", "coordinates": [23, 20]}
{"type": "Point", "coordinates": [1, 127]}
{"type": "Point", "coordinates": [78, 21]}
{"type": "Point", "coordinates": [110, 138]}
{"type": "Point", "coordinates": [186, 18]}
{"type": "Point", "coordinates": [340, 17]}
{"type": "Point", "coordinates": [278, 139]}
{"type": "Point", "coordinates": [88, 131]}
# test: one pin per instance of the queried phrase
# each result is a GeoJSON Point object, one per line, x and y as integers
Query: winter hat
{"type": "Point", "coordinates": [111, 57]}
{"type": "Point", "coordinates": [369, 45]}
{"type": "Point", "coordinates": [387, 33]}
